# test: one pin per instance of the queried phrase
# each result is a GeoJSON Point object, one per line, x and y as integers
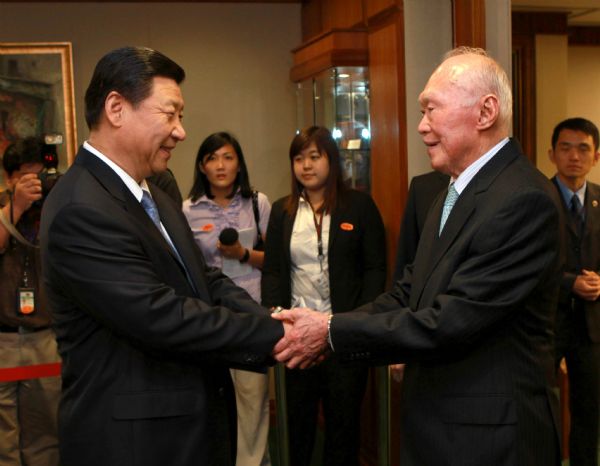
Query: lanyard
{"type": "Point", "coordinates": [319, 228]}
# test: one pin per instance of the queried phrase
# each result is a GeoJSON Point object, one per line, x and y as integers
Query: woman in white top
{"type": "Point", "coordinates": [221, 198]}
{"type": "Point", "coordinates": [326, 251]}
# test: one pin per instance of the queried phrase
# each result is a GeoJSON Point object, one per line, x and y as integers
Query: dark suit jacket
{"type": "Point", "coordinates": [145, 353]}
{"type": "Point", "coordinates": [474, 323]}
{"type": "Point", "coordinates": [588, 250]}
{"type": "Point", "coordinates": [422, 192]}
{"type": "Point", "coordinates": [356, 257]}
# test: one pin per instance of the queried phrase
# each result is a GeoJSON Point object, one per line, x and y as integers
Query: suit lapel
{"type": "Point", "coordinates": [117, 188]}
{"type": "Point", "coordinates": [592, 210]}
{"type": "Point", "coordinates": [566, 210]}
{"type": "Point", "coordinates": [123, 196]}
{"type": "Point", "coordinates": [178, 232]}
{"type": "Point", "coordinates": [432, 247]}
{"type": "Point", "coordinates": [288, 226]}
{"type": "Point", "coordinates": [103, 173]}
{"type": "Point", "coordinates": [333, 229]}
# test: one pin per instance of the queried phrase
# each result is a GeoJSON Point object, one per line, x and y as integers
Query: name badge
{"type": "Point", "coordinates": [25, 301]}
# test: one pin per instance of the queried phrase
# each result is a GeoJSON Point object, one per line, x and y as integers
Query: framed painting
{"type": "Point", "coordinates": [37, 97]}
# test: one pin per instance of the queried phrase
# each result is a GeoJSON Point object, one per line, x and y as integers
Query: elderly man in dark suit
{"type": "Point", "coordinates": [145, 329]}
{"type": "Point", "coordinates": [575, 152]}
{"type": "Point", "coordinates": [473, 316]}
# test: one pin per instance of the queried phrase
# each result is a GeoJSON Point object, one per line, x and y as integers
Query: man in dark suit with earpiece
{"type": "Point", "coordinates": [575, 152]}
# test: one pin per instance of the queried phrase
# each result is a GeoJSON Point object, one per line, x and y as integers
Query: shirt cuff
{"type": "Point", "coordinates": [329, 341]}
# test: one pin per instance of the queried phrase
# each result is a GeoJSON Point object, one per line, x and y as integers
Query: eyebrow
{"type": "Point", "coordinates": [173, 103]}
{"type": "Point", "coordinates": [571, 144]}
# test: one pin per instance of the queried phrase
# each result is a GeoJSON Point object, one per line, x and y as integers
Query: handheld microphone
{"type": "Point", "coordinates": [228, 236]}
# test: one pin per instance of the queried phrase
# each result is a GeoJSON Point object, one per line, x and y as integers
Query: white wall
{"type": "Point", "coordinates": [236, 56]}
{"type": "Point", "coordinates": [427, 36]}
{"type": "Point", "coordinates": [498, 30]}
{"type": "Point", "coordinates": [583, 91]}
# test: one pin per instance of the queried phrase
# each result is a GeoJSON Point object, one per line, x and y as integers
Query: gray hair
{"type": "Point", "coordinates": [490, 78]}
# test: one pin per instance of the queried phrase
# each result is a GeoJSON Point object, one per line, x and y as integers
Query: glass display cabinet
{"type": "Point", "coordinates": [338, 99]}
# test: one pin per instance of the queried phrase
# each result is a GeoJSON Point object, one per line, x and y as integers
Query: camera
{"type": "Point", "coordinates": [49, 174]}
{"type": "Point", "coordinates": [49, 158]}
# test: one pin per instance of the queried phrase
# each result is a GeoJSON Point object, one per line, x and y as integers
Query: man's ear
{"type": "Point", "coordinates": [114, 105]}
{"type": "Point", "coordinates": [489, 110]}
{"type": "Point", "coordinates": [596, 157]}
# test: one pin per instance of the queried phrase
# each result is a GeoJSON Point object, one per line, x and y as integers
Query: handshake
{"type": "Point", "coordinates": [305, 341]}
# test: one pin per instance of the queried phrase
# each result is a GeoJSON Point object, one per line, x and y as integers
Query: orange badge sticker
{"type": "Point", "coordinates": [208, 227]}
{"type": "Point", "coordinates": [347, 226]}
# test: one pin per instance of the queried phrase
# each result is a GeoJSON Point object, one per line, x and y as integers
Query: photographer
{"type": "Point", "coordinates": [28, 397]}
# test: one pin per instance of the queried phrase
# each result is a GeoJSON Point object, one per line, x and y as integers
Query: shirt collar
{"type": "Point", "coordinates": [567, 194]}
{"type": "Point", "coordinates": [469, 173]}
{"type": "Point", "coordinates": [132, 185]}
{"type": "Point", "coordinates": [204, 199]}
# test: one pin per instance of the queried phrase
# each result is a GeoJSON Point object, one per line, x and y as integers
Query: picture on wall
{"type": "Point", "coordinates": [36, 96]}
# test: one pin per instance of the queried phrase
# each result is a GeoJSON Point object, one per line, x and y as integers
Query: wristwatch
{"type": "Point", "coordinates": [245, 257]}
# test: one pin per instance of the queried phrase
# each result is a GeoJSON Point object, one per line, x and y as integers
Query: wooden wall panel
{"type": "Point", "coordinates": [388, 126]}
{"type": "Point", "coordinates": [342, 14]}
{"type": "Point", "coordinates": [469, 23]}
{"type": "Point", "coordinates": [375, 7]}
{"type": "Point", "coordinates": [312, 24]}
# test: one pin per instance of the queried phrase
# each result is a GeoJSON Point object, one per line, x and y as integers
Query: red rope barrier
{"type": "Point", "coordinates": [12, 374]}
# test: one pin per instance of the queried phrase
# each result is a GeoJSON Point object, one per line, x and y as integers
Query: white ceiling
{"type": "Point", "coordinates": [580, 12]}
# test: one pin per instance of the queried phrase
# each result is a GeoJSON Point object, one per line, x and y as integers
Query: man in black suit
{"type": "Point", "coordinates": [145, 329]}
{"type": "Point", "coordinates": [575, 152]}
{"type": "Point", "coordinates": [473, 315]}
{"type": "Point", "coordinates": [422, 192]}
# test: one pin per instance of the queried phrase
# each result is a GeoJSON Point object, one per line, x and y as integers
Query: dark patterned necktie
{"type": "Point", "coordinates": [577, 214]}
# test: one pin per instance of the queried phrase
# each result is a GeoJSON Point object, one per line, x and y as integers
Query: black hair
{"type": "Point", "coordinates": [577, 124]}
{"type": "Point", "coordinates": [29, 150]}
{"type": "Point", "coordinates": [334, 186]}
{"type": "Point", "coordinates": [130, 72]}
{"type": "Point", "coordinates": [209, 146]}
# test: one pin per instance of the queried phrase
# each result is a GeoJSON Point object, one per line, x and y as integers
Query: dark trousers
{"type": "Point", "coordinates": [583, 366]}
{"type": "Point", "coordinates": [341, 390]}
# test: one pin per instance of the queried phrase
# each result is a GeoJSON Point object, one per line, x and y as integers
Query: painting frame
{"type": "Point", "coordinates": [63, 103]}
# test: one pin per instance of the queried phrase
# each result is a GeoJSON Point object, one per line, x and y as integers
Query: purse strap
{"type": "Point", "coordinates": [14, 232]}
{"type": "Point", "coordinates": [256, 216]}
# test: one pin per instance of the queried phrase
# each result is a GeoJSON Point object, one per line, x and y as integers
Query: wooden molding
{"type": "Point", "coordinates": [375, 8]}
{"type": "Point", "coordinates": [524, 101]}
{"type": "Point", "coordinates": [532, 23]}
{"type": "Point", "coordinates": [334, 48]}
{"type": "Point", "coordinates": [584, 35]}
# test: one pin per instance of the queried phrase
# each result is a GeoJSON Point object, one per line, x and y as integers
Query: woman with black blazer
{"type": "Point", "coordinates": [325, 250]}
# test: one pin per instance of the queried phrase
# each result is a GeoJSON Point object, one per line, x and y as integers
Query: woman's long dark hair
{"type": "Point", "coordinates": [209, 146]}
{"type": "Point", "coordinates": [334, 185]}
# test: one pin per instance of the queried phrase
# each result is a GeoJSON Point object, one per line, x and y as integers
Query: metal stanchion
{"type": "Point", "coordinates": [383, 408]}
{"type": "Point", "coordinates": [283, 446]}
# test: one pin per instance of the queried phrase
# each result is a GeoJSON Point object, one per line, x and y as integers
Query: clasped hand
{"type": "Point", "coordinates": [587, 285]}
{"type": "Point", "coordinates": [305, 340]}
